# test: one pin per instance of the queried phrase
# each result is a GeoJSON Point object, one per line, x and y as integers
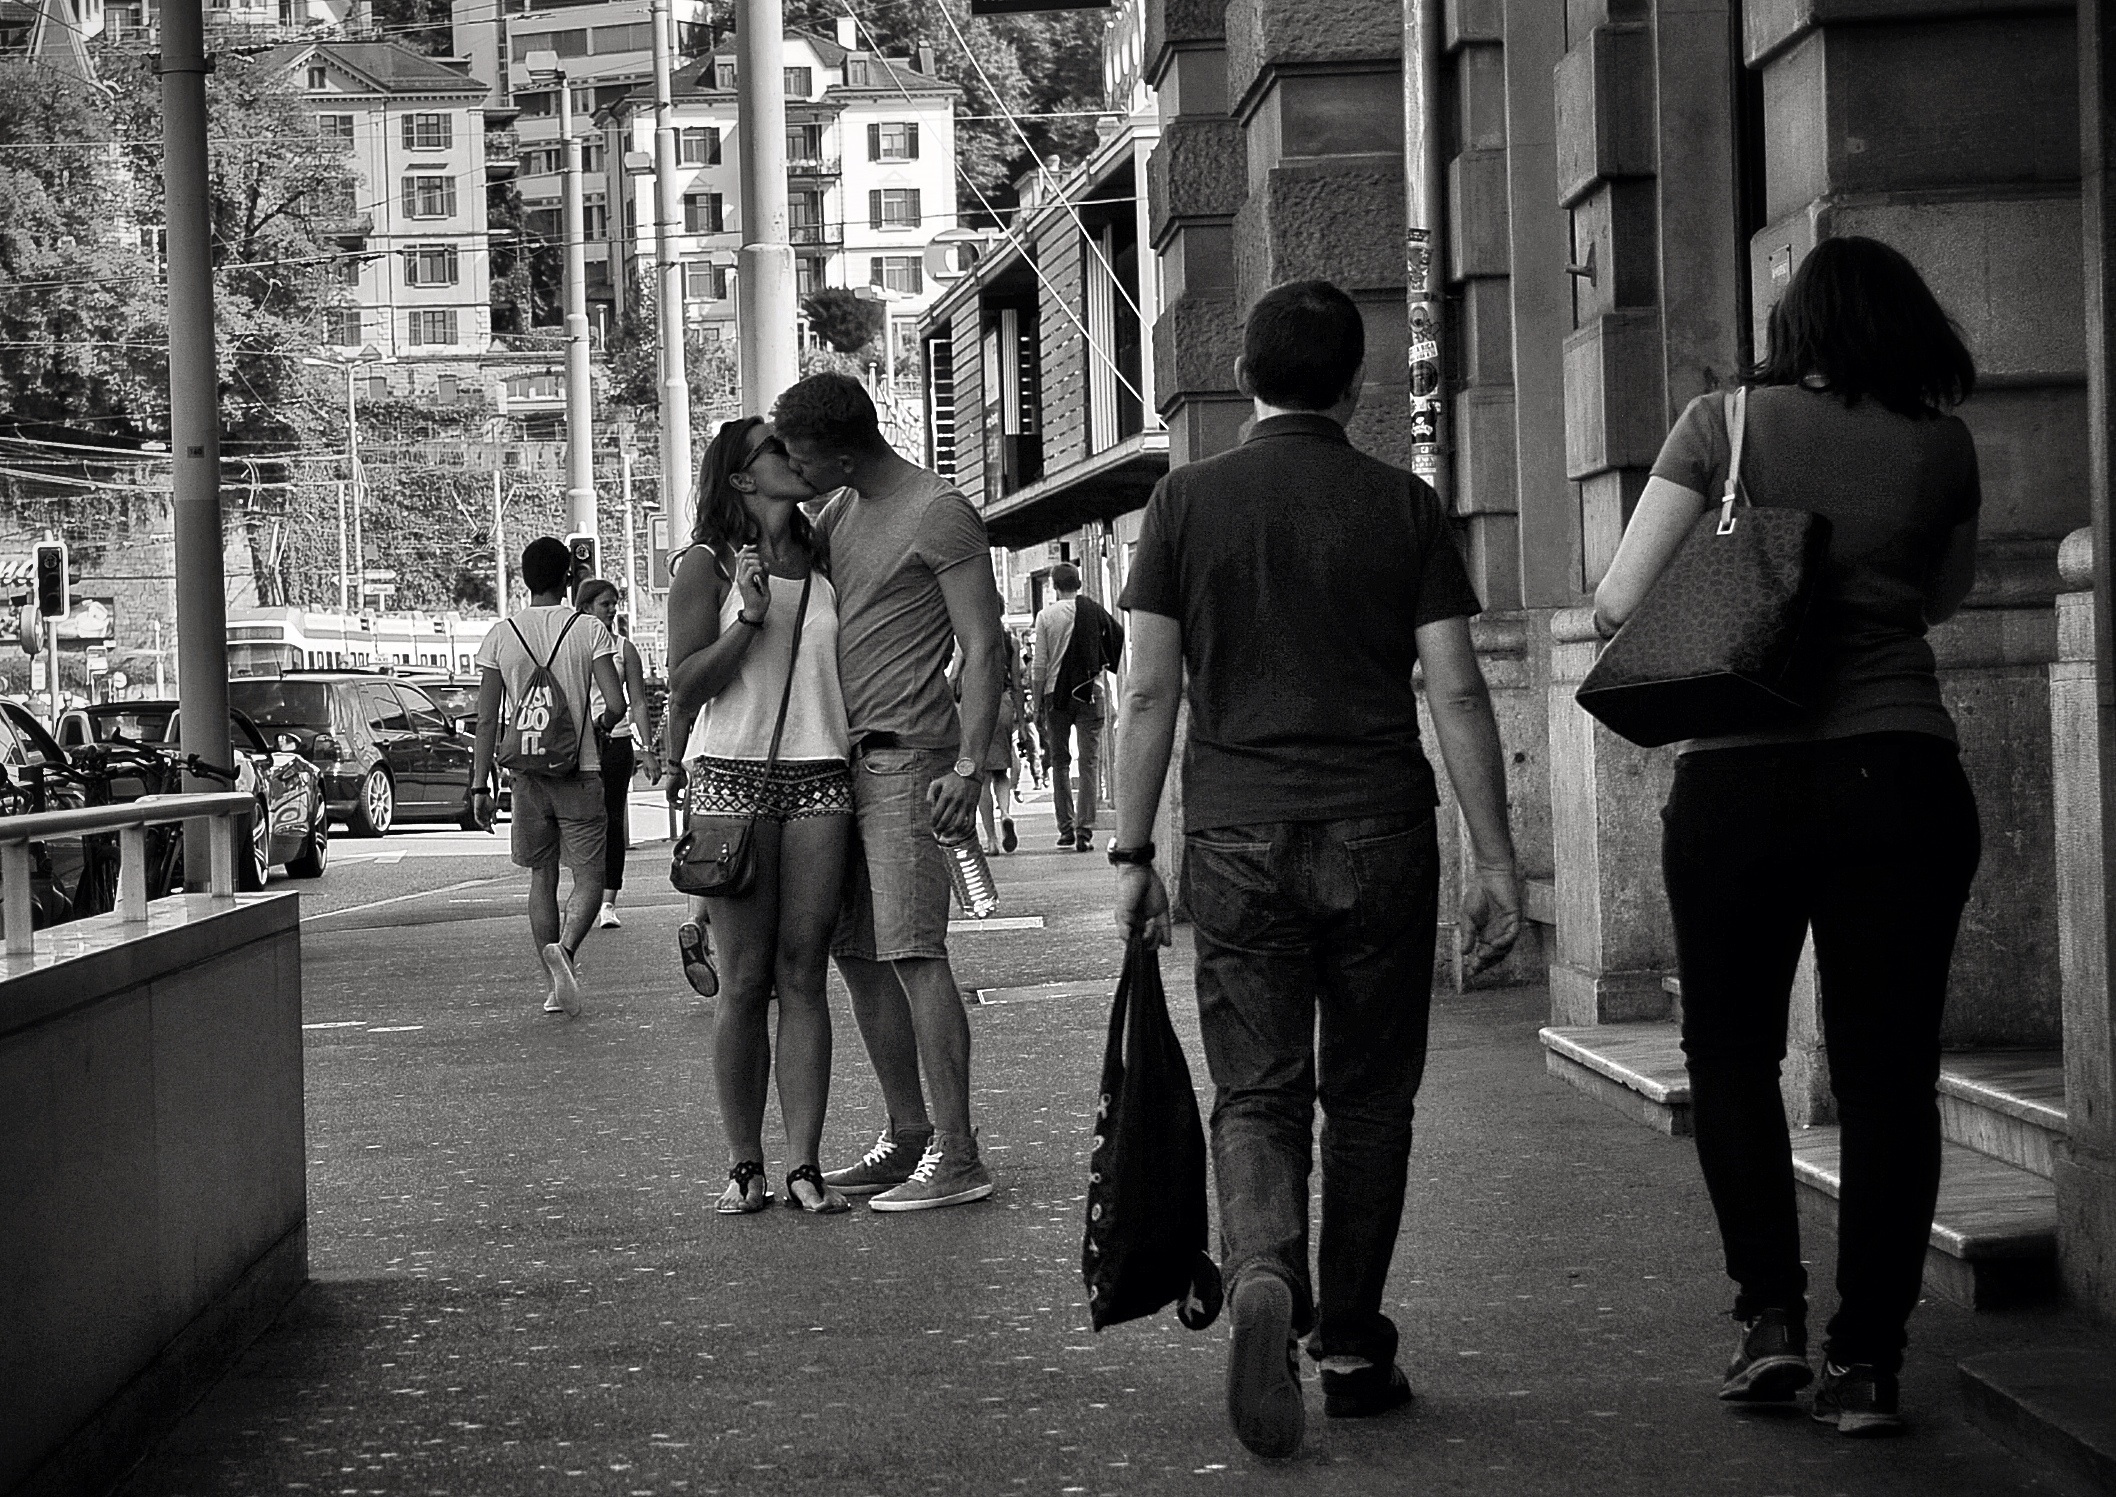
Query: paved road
{"type": "Point", "coordinates": [520, 1286]}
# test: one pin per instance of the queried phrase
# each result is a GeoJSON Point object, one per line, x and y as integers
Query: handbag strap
{"type": "Point", "coordinates": [1737, 411]}
{"type": "Point", "coordinates": [800, 622]}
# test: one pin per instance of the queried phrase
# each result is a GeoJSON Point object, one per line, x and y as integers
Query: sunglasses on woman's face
{"type": "Point", "coordinates": [769, 444]}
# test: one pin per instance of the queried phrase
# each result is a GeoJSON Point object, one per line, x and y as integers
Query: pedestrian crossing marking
{"type": "Point", "coordinates": [1008, 922]}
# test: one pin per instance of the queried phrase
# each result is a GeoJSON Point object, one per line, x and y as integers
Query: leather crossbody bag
{"type": "Point", "coordinates": [1715, 647]}
{"type": "Point", "coordinates": [717, 855]}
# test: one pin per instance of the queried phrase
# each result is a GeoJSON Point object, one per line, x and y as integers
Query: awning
{"type": "Point", "coordinates": [1113, 482]}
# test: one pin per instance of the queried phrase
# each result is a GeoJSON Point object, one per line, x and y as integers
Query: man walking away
{"type": "Point", "coordinates": [1300, 580]}
{"type": "Point", "coordinates": [559, 815]}
{"type": "Point", "coordinates": [1076, 641]}
{"type": "Point", "coordinates": [913, 571]}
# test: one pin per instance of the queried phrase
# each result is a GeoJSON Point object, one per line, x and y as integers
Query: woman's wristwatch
{"type": "Point", "coordinates": [1141, 856]}
{"type": "Point", "coordinates": [743, 618]}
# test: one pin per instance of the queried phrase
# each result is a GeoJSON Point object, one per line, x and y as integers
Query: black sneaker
{"type": "Point", "coordinates": [1087, 840]}
{"type": "Point", "coordinates": [1365, 1393]}
{"type": "Point", "coordinates": [1263, 1369]}
{"type": "Point", "coordinates": [1770, 1364]}
{"type": "Point", "coordinates": [1860, 1400]}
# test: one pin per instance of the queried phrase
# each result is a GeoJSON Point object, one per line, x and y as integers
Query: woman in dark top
{"type": "Point", "coordinates": [1855, 820]}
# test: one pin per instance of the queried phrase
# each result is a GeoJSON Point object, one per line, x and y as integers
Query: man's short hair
{"type": "Point", "coordinates": [1065, 577]}
{"type": "Point", "coordinates": [546, 564]}
{"type": "Point", "coordinates": [831, 410]}
{"type": "Point", "coordinates": [1303, 343]}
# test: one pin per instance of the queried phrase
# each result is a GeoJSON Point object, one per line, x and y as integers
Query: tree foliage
{"type": "Point", "coordinates": [845, 320]}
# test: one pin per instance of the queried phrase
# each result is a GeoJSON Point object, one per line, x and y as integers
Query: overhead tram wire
{"type": "Point", "coordinates": [1019, 243]}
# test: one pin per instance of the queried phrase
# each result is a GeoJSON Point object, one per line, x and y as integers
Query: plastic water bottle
{"type": "Point", "coordinates": [971, 875]}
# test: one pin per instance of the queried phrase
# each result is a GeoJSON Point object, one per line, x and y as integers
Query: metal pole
{"type": "Point", "coordinates": [51, 676]}
{"type": "Point", "coordinates": [194, 411]}
{"type": "Point", "coordinates": [1425, 275]}
{"type": "Point", "coordinates": [668, 205]}
{"type": "Point", "coordinates": [631, 573]}
{"type": "Point", "coordinates": [764, 291]}
{"type": "Point", "coordinates": [499, 545]}
{"type": "Point", "coordinates": [580, 455]}
{"type": "Point", "coordinates": [161, 688]}
{"type": "Point", "coordinates": [359, 483]}
{"type": "Point", "coordinates": [344, 581]}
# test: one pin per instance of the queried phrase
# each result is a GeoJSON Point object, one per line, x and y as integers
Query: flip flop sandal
{"type": "Point", "coordinates": [742, 1174]}
{"type": "Point", "coordinates": [814, 1177]}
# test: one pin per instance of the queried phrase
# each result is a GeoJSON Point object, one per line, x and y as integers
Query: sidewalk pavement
{"type": "Point", "coordinates": [520, 1285]}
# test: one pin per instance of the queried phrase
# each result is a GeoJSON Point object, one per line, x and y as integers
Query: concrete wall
{"type": "Point", "coordinates": [153, 1195]}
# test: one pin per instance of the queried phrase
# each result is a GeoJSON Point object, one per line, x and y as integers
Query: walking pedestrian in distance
{"type": "Point", "coordinates": [914, 578]}
{"type": "Point", "coordinates": [1855, 821]}
{"type": "Point", "coordinates": [995, 804]}
{"type": "Point", "coordinates": [1299, 581]}
{"type": "Point", "coordinates": [733, 614]}
{"type": "Point", "coordinates": [542, 664]}
{"type": "Point", "coordinates": [1076, 641]}
{"type": "Point", "coordinates": [621, 747]}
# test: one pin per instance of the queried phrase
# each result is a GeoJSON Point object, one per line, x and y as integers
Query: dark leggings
{"type": "Point", "coordinates": [617, 767]}
{"type": "Point", "coordinates": [1873, 841]}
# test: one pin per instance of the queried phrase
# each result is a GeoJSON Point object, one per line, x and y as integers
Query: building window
{"type": "Point", "coordinates": [591, 155]}
{"type": "Point", "coordinates": [703, 281]}
{"type": "Point", "coordinates": [896, 273]}
{"type": "Point", "coordinates": [341, 327]}
{"type": "Point", "coordinates": [572, 43]}
{"type": "Point", "coordinates": [428, 132]}
{"type": "Point", "coordinates": [546, 224]}
{"type": "Point", "coordinates": [703, 213]}
{"type": "Point", "coordinates": [337, 128]}
{"type": "Point", "coordinates": [808, 275]}
{"type": "Point", "coordinates": [345, 270]}
{"type": "Point", "coordinates": [804, 218]}
{"type": "Point", "coordinates": [430, 265]}
{"type": "Point", "coordinates": [804, 143]}
{"type": "Point", "coordinates": [698, 146]}
{"type": "Point", "coordinates": [892, 142]}
{"type": "Point", "coordinates": [445, 389]}
{"type": "Point", "coordinates": [537, 104]}
{"type": "Point", "coordinates": [542, 161]}
{"type": "Point", "coordinates": [319, 78]}
{"type": "Point", "coordinates": [638, 36]}
{"type": "Point", "coordinates": [429, 197]}
{"type": "Point", "coordinates": [800, 82]}
{"type": "Point", "coordinates": [857, 73]}
{"type": "Point", "coordinates": [433, 328]}
{"type": "Point", "coordinates": [723, 75]}
{"type": "Point", "coordinates": [893, 208]}
{"type": "Point", "coordinates": [595, 221]}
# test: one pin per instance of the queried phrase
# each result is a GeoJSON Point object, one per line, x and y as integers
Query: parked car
{"type": "Point", "coordinates": [457, 696]}
{"type": "Point", "coordinates": [387, 751]}
{"type": "Point", "coordinates": [292, 826]}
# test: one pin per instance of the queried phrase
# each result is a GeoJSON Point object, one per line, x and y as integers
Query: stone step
{"type": "Point", "coordinates": [1635, 1068]}
{"type": "Point", "coordinates": [2054, 1404]}
{"type": "Point", "coordinates": [1994, 1232]}
{"type": "Point", "coordinates": [2009, 1104]}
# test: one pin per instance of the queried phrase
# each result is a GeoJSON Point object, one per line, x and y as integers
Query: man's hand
{"type": "Point", "coordinates": [954, 802]}
{"type": "Point", "coordinates": [1142, 904]}
{"type": "Point", "coordinates": [1491, 917]}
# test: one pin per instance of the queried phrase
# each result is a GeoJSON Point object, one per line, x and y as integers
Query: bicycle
{"type": "Point", "coordinates": [96, 768]}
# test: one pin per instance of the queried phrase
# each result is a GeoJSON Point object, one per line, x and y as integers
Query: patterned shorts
{"type": "Point", "coordinates": [796, 789]}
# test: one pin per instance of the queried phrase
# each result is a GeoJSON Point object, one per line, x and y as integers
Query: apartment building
{"type": "Point", "coordinates": [415, 283]}
{"type": "Point", "coordinates": [870, 160]}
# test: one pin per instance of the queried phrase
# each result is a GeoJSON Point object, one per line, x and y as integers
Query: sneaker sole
{"type": "Point", "coordinates": [1863, 1426]}
{"type": "Point", "coordinates": [875, 1189]}
{"type": "Point", "coordinates": [1768, 1380]}
{"type": "Point", "coordinates": [961, 1197]}
{"type": "Point", "coordinates": [1263, 1400]}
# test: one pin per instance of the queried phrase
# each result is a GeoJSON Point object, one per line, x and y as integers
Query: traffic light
{"type": "Point", "coordinates": [585, 560]}
{"type": "Point", "coordinates": [54, 595]}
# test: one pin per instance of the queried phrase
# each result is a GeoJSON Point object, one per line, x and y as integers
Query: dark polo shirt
{"type": "Point", "coordinates": [1300, 570]}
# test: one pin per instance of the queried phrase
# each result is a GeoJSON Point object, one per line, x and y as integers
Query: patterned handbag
{"type": "Point", "coordinates": [1715, 646]}
{"type": "Point", "coordinates": [716, 855]}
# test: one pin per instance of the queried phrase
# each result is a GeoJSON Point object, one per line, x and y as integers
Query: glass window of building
{"type": "Point", "coordinates": [428, 132]}
{"type": "Point", "coordinates": [431, 265]}
{"type": "Point", "coordinates": [341, 326]}
{"type": "Point", "coordinates": [335, 127]}
{"type": "Point", "coordinates": [893, 208]}
{"type": "Point", "coordinates": [703, 213]}
{"type": "Point", "coordinates": [433, 328]}
{"type": "Point", "coordinates": [800, 82]}
{"type": "Point", "coordinates": [703, 281]}
{"type": "Point", "coordinates": [898, 142]}
{"type": "Point", "coordinates": [896, 273]}
{"type": "Point", "coordinates": [698, 146]}
{"type": "Point", "coordinates": [429, 197]}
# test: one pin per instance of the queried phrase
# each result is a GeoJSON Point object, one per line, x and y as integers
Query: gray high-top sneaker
{"type": "Point", "coordinates": [948, 1174]}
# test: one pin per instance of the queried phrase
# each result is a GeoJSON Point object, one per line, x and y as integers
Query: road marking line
{"type": "Point", "coordinates": [1046, 991]}
{"type": "Point", "coordinates": [1011, 922]}
{"type": "Point", "coordinates": [354, 909]}
{"type": "Point", "coordinates": [397, 1029]}
{"type": "Point", "coordinates": [389, 857]}
{"type": "Point", "coordinates": [339, 1024]}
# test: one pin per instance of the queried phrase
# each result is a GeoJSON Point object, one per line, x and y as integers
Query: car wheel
{"type": "Point", "coordinates": [316, 851]}
{"type": "Point", "coordinates": [254, 864]}
{"type": "Point", "coordinates": [376, 809]}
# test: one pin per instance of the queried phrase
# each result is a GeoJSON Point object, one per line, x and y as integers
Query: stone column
{"type": "Point", "coordinates": [2084, 1170]}
{"type": "Point", "coordinates": [1615, 944]}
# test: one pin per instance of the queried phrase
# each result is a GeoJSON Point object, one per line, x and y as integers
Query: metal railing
{"type": "Point", "coordinates": [130, 821]}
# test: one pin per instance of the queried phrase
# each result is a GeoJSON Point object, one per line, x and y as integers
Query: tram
{"type": "Point", "coordinates": [273, 641]}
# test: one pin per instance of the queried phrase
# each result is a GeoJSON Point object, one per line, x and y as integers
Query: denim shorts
{"type": "Point", "coordinates": [897, 893]}
{"type": "Point", "coordinates": [559, 821]}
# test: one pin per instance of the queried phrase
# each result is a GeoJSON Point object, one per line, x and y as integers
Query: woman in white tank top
{"type": "Point", "coordinates": [732, 610]}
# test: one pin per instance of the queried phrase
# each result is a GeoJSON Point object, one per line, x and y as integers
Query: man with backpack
{"type": "Point", "coordinates": [1076, 641]}
{"type": "Point", "coordinates": [541, 662]}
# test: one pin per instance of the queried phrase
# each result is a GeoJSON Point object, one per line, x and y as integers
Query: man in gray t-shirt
{"type": "Point", "coordinates": [913, 573]}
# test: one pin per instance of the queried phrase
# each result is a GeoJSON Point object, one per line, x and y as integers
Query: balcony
{"type": "Point", "coordinates": [503, 153]}
{"type": "Point", "coordinates": [812, 166]}
{"type": "Point", "coordinates": [814, 235]}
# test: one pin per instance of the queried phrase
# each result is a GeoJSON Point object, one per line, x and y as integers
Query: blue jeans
{"type": "Point", "coordinates": [1294, 919]}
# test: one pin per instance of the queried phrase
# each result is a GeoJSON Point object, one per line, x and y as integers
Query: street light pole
{"type": "Point", "coordinates": [764, 292]}
{"type": "Point", "coordinates": [675, 379]}
{"type": "Point", "coordinates": [194, 410]}
{"type": "Point", "coordinates": [352, 468]}
{"type": "Point", "coordinates": [580, 455]}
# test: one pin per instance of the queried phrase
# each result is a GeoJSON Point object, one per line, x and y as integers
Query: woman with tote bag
{"type": "Point", "coordinates": [1850, 816]}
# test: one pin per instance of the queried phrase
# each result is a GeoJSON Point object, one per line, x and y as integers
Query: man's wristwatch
{"type": "Point", "coordinates": [967, 768]}
{"type": "Point", "coordinates": [1132, 857]}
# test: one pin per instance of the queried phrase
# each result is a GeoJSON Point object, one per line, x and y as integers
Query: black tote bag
{"type": "Point", "coordinates": [1716, 645]}
{"type": "Point", "coordinates": [1146, 1217]}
